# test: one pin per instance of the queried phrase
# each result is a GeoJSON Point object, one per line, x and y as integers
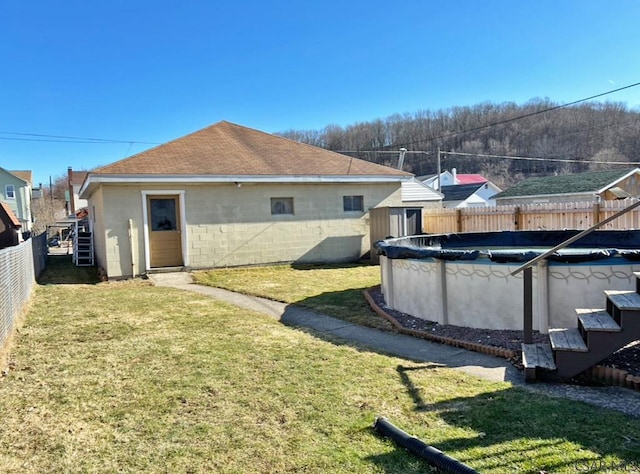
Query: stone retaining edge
{"type": "Point", "coordinates": [472, 346]}
{"type": "Point", "coordinates": [599, 373]}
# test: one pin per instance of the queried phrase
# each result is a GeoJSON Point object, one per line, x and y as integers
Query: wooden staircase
{"type": "Point", "coordinates": [600, 333]}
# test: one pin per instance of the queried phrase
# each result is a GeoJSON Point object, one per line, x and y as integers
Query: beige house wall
{"type": "Point", "coordinates": [96, 214]}
{"type": "Point", "coordinates": [227, 225]}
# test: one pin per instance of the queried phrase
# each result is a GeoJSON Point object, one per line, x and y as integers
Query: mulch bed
{"type": "Point", "coordinates": [627, 358]}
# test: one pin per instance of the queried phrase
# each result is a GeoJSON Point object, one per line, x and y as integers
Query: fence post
{"type": "Point", "coordinates": [516, 217]}
{"type": "Point", "coordinates": [459, 220]}
{"type": "Point", "coordinates": [528, 305]}
{"type": "Point", "coordinates": [596, 212]}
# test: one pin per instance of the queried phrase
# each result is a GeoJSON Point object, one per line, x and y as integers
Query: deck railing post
{"type": "Point", "coordinates": [528, 305]}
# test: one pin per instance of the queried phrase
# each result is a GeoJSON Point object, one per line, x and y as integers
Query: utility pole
{"type": "Point", "coordinates": [439, 171]}
{"type": "Point", "coordinates": [401, 158]}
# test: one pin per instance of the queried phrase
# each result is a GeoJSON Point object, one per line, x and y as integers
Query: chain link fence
{"type": "Point", "coordinates": [19, 267]}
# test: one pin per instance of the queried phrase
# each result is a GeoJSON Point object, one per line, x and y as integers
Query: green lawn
{"type": "Point", "coordinates": [331, 289]}
{"type": "Point", "coordinates": [126, 377]}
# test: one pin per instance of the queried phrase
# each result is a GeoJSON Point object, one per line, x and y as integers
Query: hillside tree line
{"type": "Point", "coordinates": [589, 136]}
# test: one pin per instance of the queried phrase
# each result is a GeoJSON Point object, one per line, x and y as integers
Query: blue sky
{"type": "Point", "coordinates": [152, 71]}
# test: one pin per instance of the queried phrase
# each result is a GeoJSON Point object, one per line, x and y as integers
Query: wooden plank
{"type": "Point", "coordinates": [533, 216]}
{"type": "Point", "coordinates": [622, 299]}
{"type": "Point", "coordinates": [567, 340]}
{"type": "Point", "coordinates": [538, 355]}
{"type": "Point", "coordinates": [597, 320]}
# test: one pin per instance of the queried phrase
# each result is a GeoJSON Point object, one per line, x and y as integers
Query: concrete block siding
{"type": "Point", "coordinates": [227, 225]}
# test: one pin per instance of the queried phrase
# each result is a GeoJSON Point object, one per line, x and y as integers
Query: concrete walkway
{"type": "Point", "coordinates": [407, 347]}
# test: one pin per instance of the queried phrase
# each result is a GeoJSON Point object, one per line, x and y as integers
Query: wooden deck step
{"type": "Point", "coordinates": [537, 355]}
{"type": "Point", "coordinates": [597, 320]}
{"type": "Point", "coordinates": [623, 299]}
{"type": "Point", "coordinates": [567, 340]}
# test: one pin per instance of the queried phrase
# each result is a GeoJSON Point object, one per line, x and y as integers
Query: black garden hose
{"type": "Point", "coordinates": [433, 456]}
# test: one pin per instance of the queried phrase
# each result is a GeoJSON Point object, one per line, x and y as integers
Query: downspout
{"type": "Point", "coordinates": [133, 265]}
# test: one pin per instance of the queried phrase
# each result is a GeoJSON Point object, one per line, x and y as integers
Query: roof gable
{"type": "Point", "coordinates": [13, 177]}
{"type": "Point", "coordinates": [578, 183]}
{"type": "Point", "coordinates": [10, 216]}
{"type": "Point", "coordinates": [414, 190]}
{"type": "Point", "coordinates": [24, 175]}
{"type": "Point", "coordinates": [460, 192]}
{"type": "Point", "coordinates": [77, 177]}
{"type": "Point", "coordinates": [229, 149]}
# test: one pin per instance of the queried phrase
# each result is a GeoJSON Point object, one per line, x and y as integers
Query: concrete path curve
{"type": "Point", "coordinates": [407, 347]}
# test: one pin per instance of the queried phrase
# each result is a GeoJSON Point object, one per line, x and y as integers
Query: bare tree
{"type": "Point", "coordinates": [609, 130]}
{"type": "Point", "coordinates": [51, 207]}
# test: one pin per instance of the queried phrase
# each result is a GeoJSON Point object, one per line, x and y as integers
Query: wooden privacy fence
{"type": "Point", "coordinates": [551, 216]}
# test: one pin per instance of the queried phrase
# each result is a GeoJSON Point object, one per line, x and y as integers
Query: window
{"type": "Point", "coordinates": [163, 214]}
{"type": "Point", "coordinates": [281, 206]}
{"type": "Point", "coordinates": [9, 191]}
{"type": "Point", "coordinates": [353, 203]}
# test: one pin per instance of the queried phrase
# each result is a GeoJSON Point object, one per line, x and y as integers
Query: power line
{"type": "Point", "coordinates": [59, 141]}
{"type": "Point", "coordinates": [530, 158]}
{"type": "Point", "coordinates": [581, 130]}
{"type": "Point", "coordinates": [513, 119]}
{"type": "Point", "coordinates": [66, 139]}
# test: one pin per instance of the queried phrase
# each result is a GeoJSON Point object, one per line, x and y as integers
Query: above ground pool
{"type": "Point", "coordinates": [465, 279]}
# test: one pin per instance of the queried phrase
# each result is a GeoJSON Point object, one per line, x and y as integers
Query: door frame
{"type": "Point", "coordinates": [180, 194]}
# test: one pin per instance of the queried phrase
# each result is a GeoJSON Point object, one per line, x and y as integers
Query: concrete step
{"type": "Point", "coordinates": [567, 339]}
{"type": "Point", "coordinates": [597, 320]}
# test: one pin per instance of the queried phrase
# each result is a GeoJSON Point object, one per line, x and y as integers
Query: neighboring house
{"type": "Point", "coordinates": [416, 193]}
{"type": "Point", "coordinates": [592, 186]}
{"type": "Point", "coordinates": [451, 178]}
{"type": "Point", "coordinates": [228, 195]}
{"type": "Point", "coordinates": [468, 178]}
{"type": "Point", "coordinates": [74, 181]}
{"type": "Point", "coordinates": [469, 195]}
{"type": "Point", "coordinates": [446, 179]}
{"type": "Point", "coordinates": [15, 191]}
{"type": "Point", "coordinates": [10, 227]}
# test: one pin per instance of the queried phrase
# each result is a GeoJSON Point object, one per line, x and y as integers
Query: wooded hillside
{"type": "Point", "coordinates": [587, 133]}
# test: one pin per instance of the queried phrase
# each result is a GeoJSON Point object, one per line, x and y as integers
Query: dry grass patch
{"type": "Point", "coordinates": [132, 378]}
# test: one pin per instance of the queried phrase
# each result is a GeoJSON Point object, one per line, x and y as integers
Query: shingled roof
{"type": "Point", "coordinates": [229, 149]}
{"type": "Point", "coordinates": [460, 192]}
{"type": "Point", "coordinates": [24, 175]}
{"type": "Point", "coordinates": [591, 182]}
{"type": "Point", "coordinates": [9, 215]}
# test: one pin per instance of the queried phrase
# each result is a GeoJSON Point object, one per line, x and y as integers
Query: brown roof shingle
{"type": "Point", "coordinates": [12, 217]}
{"type": "Point", "coordinates": [229, 149]}
{"type": "Point", "coordinates": [77, 177]}
{"type": "Point", "coordinates": [24, 175]}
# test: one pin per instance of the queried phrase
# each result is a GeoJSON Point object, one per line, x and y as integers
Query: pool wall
{"type": "Point", "coordinates": [483, 294]}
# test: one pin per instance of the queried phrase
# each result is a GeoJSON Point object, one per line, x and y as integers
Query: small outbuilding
{"type": "Point", "coordinates": [577, 187]}
{"type": "Point", "coordinates": [10, 227]}
{"type": "Point", "coordinates": [228, 195]}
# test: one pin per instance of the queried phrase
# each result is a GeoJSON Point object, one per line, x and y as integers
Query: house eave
{"type": "Point", "coordinates": [92, 181]}
{"type": "Point", "coordinates": [614, 183]}
{"type": "Point", "coordinates": [544, 196]}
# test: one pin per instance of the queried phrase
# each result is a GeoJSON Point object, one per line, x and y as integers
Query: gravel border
{"type": "Point", "coordinates": [621, 368]}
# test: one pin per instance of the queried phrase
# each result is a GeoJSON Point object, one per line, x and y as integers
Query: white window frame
{"type": "Point", "coordinates": [9, 194]}
{"type": "Point", "coordinates": [183, 223]}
